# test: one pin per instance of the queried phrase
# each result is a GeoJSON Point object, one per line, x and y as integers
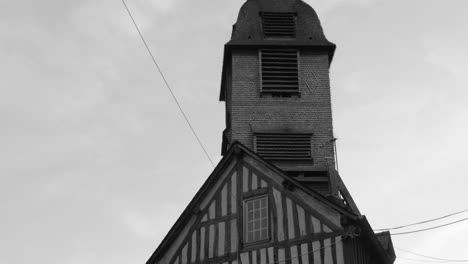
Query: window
{"type": "Point", "coordinates": [283, 146]}
{"type": "Point", "coordinates": [256, 219]}
{"type": "Point", "coordinates": [277, 24]}
{"type": "Point", "coordinates": [279, 71]}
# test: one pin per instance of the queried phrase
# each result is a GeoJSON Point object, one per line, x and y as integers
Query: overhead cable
{"type": "Point", "coordinates": [309, 252]}
{"type": "Point", "coordinates": [422, 260]}
{"type": "Point", "coordinates": [167, 84]}
{"type": "Point", "coordinates": [422, 222]}
{"type": "Point", "coordinates": [430, 228]}
{"type": "Point", "coordinates": [439, 259]}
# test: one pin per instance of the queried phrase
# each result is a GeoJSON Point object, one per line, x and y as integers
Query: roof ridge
{"type": "Point", "coordinates": [235, 149]}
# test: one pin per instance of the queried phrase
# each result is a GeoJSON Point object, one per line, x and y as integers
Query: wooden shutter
{"type": "Point", "coordinates": [279, 24]}
{"type": "Point", "coordinates": [283, 146]}
{"type": "Point", "coordinates": [279, 70]}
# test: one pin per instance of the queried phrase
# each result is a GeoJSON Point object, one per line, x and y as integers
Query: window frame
{"type": "Point", "coordinates": [290, 134]}
{"type": "Point", "coordinates": [280, 93]}
{"type": "Point", "coordinates": [271, 35]}
{"type": "Point", "coordinates": [245, 220]}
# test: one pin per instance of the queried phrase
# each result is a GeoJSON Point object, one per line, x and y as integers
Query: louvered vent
{"type": "Point", "coordinates": [283, 146]}
{"type": "Point", "coordinates": [279, 24]}
{"type": "Point", "coordinates": [279, 71]}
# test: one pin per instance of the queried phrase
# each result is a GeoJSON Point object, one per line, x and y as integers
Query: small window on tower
{"type": "Point", "coordinates": [277, 24]}
{"type": "Point", "coordinates": [256, 220]}
{"type": "Point", "coordinates": [279, 71]}
{"type": "Point", "coordinates": [283, 146]}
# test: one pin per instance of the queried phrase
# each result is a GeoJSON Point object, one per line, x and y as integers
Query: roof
{"type": "Point", "coordinates": [381, 242]}
{"type": "Point", "coordinates": [236, 150]}
{"type": "Point", "coordinates": [248, 30]}
{"type": "Point", "coordinates": [385, 240]}
{"type": "Point", "coordinates": [249, 23]}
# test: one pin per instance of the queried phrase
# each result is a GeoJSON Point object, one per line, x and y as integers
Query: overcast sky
{"type": "Point", "coordinates": [96, 162]}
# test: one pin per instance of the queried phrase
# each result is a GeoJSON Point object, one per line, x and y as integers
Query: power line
{"type": "Point", "coordinates": [422, 222]}
{"type": "Point", "coordinates": [440, 259]}
{"type": "Point", "coordinates": [167, 84]}
{"type": "Point", "coordinates": [309, 252]}
{"type": "Point", "coordinates": [430, 228]}
{"type": "Point", "coordinates": [422, 260]}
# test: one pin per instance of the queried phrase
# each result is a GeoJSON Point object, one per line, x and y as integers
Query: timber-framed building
{"type": "Point", "coordinates": [275, 197]}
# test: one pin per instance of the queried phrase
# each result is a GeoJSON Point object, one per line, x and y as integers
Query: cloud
{"type": "Point", "coordinates": [323, 7]}
{"type": "Point", "coordinates": [447, 238]}
{"type": "Point", "coordinates": [453, 60]}
{"type": "Point", "coordinates": [148, 225]}
{"type": "Point", "coordinates": [139, 224]}
{"type": "Point", "coordinates": [92, 143]}
{"type": "Point", "coordinates": [163, 6]}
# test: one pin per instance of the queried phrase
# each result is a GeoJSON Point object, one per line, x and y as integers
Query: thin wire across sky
{"type": "Point", "coordinates": [168, 86]}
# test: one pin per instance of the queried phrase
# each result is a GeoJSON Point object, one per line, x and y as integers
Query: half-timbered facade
{"type": "Point", "coordinates": [275, 197]}
{"type": "Point", "coordinates": [250, 212]}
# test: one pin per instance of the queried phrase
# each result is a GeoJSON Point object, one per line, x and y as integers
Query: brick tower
{"type": "Point", "coordinates": [275, 197]}
{"type": "Point", "coordinates": [275, 83]}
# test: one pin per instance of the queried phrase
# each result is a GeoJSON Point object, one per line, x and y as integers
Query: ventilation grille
{"type": "Point", "coordinates": [283, 146]}
{"type": "Point", "coordinates": [279, 70]}
{"type": "Point", "coordinates": [279, 24]}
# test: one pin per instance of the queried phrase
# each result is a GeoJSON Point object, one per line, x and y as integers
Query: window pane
{"type": "Point", "coordinates": [264, 212]}
{"type": "Point", "coordinates": [257, 225]}
{"type": "Point", "coordinates": [250, 237]}
{"type": "Point", "coordinates": [256, 219]}
{"type": "Point", "coordinates": [257, 214]}
{"type": "Point", "coordinates": [250, 216]}
{"type": "Point", "coordinates": [257, 204]}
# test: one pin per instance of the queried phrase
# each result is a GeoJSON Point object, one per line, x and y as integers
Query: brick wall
{"type": "Point", "coordinates": [309, 112]}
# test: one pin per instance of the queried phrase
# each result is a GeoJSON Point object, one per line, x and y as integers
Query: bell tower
{"type": "Point", "coordinates": [275, 83]}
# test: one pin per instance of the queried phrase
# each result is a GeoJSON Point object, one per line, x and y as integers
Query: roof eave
{"type": "Point", "coordinates": [309, 191]}
{"type": "Point", "coordinates": [222, 94]}
{"type": "Point", "coordinates": [233, 149]}
{"type": "Point", "coordinates": [371, 236]}
{"type": "Point", "coordinates": [189, 209]}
